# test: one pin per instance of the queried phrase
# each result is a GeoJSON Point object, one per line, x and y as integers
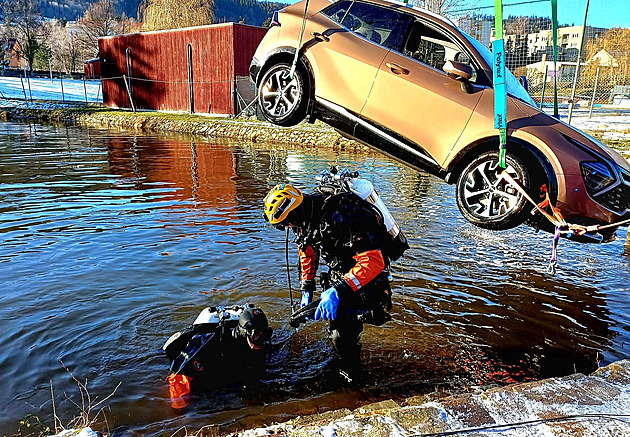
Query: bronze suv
{"type": "Point", "coordinates": [412, 85]}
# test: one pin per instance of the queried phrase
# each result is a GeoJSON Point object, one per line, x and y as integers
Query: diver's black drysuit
{"type": "Point", "coordinates": [349, 234]}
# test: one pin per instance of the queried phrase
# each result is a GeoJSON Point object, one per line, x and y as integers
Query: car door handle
{"type": "Point", "coordinates": [397, 69]}
{"type": "Point", "coordinates": [320, 36]}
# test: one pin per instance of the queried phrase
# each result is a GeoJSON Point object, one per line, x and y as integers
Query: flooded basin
{"type": "Point", "coordinates": [113, 240]}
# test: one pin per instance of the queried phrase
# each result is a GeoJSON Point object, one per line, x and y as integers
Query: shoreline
{"type": "Point", "coordinates": [212, 127]}
{"type": "Point", "coordinates": [304, 135]}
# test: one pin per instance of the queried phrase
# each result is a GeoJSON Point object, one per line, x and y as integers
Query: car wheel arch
{"type": "Point", "coordinates": [524, 150]}
{"type": "Point", "coordinates": [287, 54]}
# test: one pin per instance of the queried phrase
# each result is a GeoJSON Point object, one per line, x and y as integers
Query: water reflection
{"type": "Point", "coordinates": [114, 240]}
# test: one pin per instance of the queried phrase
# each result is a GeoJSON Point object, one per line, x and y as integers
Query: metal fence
{"type": "Point", "coordinates": [600, 55]}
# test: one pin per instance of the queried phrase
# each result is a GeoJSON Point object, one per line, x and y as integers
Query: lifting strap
{"type": "Point", "coordinates": [498, 70]}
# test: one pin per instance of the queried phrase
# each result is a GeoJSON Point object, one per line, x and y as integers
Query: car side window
{"type": "Point", "coordinates": [378, 24]}
{"type": "Point", "coordinates": [337, 10]}
{"type": "Point", "coordinates": [431, 47]}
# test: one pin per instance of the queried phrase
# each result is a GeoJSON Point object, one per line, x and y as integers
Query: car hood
{"type": "Point", "coordinates": [571, 132]}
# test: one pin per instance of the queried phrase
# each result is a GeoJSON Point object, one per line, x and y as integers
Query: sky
{"type": "Point", "coordinates": [602, 13]}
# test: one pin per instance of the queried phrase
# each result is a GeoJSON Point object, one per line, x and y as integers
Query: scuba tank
{"type": "Point", "coordinates": [213, 326]}
{"type": "Point", "coordinates": [333, 182]}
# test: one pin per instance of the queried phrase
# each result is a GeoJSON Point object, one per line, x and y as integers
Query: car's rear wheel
{"type": "Point", "coordinates": [283, 99]}
{"type": "Point", "coordinates": [486, 199]}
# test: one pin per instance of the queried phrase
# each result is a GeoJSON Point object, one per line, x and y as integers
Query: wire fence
{"type": "Point", "coordinates": [601, 56]}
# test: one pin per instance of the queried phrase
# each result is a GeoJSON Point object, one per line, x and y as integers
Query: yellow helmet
{"type": "Point", "coordinates": [280, 201]}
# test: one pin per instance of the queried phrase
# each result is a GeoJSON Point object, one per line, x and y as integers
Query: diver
{"type": "Point", "coordinates": [349, 234]}
{"type": "Point", "coordinates": [223, 343]}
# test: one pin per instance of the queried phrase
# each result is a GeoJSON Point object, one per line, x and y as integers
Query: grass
{"type": "Point", "coordinates": [90, 413]}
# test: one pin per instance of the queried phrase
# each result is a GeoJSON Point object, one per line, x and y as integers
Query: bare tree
{"type": "Point", "coordinates": [24, 21]}
{"type": "Point", "coordinates": [172, 14]}
{"type": "Point", "coordinates": [100, 19]}
{"type": "Point", "coordinates": [68, 50]}
{"type": "Point", "coordinates": [445, 7]}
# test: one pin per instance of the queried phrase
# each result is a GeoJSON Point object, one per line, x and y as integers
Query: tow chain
{"type": "Point", "coordinates": [562, 227]}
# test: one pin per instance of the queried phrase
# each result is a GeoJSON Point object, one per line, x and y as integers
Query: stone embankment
{"type": "Point", "coordinates": [243, 129]}
{"type": "Point", "coordinates": [597, 405]}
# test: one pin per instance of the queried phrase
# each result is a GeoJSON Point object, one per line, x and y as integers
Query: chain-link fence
{"type": "Point", "coordinates": [601, 55]}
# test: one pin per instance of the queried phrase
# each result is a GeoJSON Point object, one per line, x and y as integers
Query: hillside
{"type": "Point", "coordinates": [252, 11]}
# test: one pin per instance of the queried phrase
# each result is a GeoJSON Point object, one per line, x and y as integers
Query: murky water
{"type": "Point", "coordinates": [111, 241]}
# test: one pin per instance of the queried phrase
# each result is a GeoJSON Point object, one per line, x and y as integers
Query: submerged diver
{"type": "Point", "coordinates": [223, 342]}
{"type": "Point", "coordinates": [350, 235]}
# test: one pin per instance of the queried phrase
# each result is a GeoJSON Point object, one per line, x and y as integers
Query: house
{"type": "Point", "coordinates": [13, 55]}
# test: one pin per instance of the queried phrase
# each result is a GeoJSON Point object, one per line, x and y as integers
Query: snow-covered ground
{"type": "Point", "coordinates": [46, 89]}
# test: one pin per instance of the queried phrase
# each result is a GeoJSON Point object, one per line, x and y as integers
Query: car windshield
{"type": "Point", "coordinates": [512, 84]}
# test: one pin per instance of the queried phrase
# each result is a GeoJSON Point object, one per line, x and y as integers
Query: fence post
{"type": "Point", "coordinates": [542, 97]}
{"type": "Point", "coordinates": [577, 65]}
{"type": "Point", "coordinates": [63, 96]}
{"type": "Point", "coordinates": [84, 90]}
{"type": "Point", "coordinates": [24, 90]}
{"type": "Point", "coordinates": [50, 70]}
{"type": "Point", "coordinates": [590, 111]}
{"type": "Point", "coordinates": [30, 93]}
{"type": "Point", "coordinates": [191, 88]}
{"type": "Point", "coordinates": [133, 107]}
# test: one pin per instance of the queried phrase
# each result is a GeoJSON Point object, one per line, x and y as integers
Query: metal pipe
{"type": "Point", "coordinates": [191, 86]}
{"type": "Point", "coordinates": [129, 75]}
{"type": "Point", "coordinates": [577, 64]}
{"type": "Point", "coordinates": [84, 90]}
{"type": "Point", "coordinates": [590, 111]}
{"type": "Point", "coordinates": [554, 26]}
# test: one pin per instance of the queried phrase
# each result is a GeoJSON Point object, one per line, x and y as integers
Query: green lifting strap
{"type": "Point", "coordinates": [500, 92]}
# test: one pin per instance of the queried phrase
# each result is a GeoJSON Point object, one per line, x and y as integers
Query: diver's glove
{"type": "Point", "coordinates": [307, 297]}
{"type": "Point", "coordinates": [327, 309]}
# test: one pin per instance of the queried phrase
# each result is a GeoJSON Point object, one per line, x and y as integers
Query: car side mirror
{"type": "Point", "coordinates": [461, 72]}
{"type": "Point", "coordinates": [458, 70]}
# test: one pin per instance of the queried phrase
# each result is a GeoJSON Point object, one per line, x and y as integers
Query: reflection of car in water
{"type": "Point", "coordinates": [414, 86]}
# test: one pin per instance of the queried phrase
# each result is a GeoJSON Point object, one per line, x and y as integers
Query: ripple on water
{"type": "Point", "coordinates": [111, 241]}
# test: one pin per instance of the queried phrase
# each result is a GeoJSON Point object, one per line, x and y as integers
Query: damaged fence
{"type": "Point", "coordinates": [599, 55]}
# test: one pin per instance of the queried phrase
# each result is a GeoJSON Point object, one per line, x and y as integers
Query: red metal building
{"type": "Point", "coordinates": [204, 69]}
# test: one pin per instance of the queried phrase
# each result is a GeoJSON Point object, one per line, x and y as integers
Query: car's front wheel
{"type": "Point", "coordinates": [283, 98]}
{"type": "Point", "coordinates": [485, 197]}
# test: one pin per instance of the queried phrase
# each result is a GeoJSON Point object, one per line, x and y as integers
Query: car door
{"type": "Point", "coordinates": [346, 50]}
{"type": "Point", "coordinates": [413, 97]}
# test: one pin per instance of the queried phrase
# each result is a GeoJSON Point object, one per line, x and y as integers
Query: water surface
{"type": "Point", "coordinates": [113, 240]}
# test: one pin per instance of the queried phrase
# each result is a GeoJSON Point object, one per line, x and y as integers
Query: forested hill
{"type": "Point", "coordinates": [252, 11]}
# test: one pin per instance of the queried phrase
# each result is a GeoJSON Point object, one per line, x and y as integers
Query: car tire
{"type": "Point", "coordinates": [282, 100]}
{"type": "Point", "coordinates": [486, 199]}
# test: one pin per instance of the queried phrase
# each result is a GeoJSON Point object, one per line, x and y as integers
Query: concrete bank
{"type": "Point", "coordinates": [251, 130]}
{"type": "Point", "coordinates": [595, 399]}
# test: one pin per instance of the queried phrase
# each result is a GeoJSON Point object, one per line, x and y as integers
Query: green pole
{"type": "Point", "coordinates": [554, 20]}
{"type": "Point", "coordinates": [500, 92]}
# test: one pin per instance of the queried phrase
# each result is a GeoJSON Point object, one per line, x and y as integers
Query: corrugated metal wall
{"type": "Point", "coordinates": [159, 67]}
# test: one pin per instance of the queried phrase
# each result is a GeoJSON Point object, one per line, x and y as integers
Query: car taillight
{"type": "Point", "coordinates": [597, 176]}
{"type": "Point", "coordinates": [274, 20]}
